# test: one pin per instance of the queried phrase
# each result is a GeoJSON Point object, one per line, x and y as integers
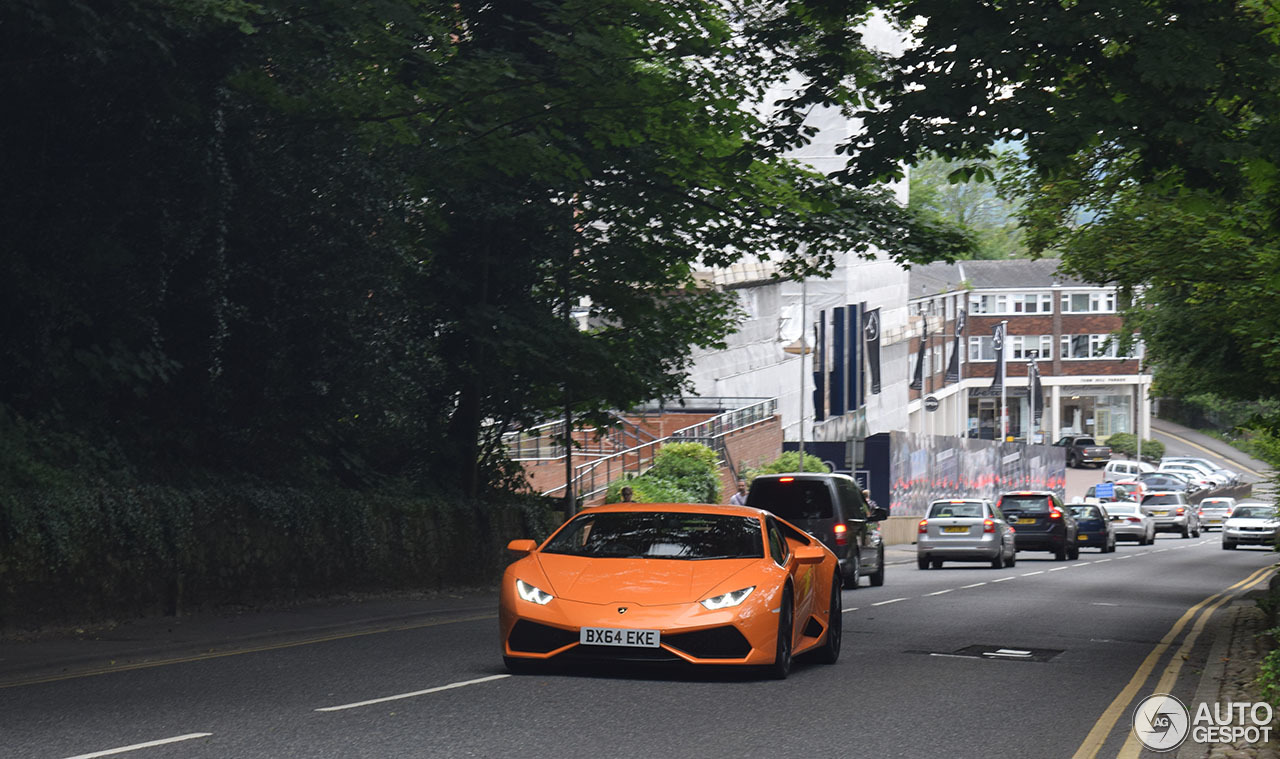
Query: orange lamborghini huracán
{"type": "Point", "coordinates": [696, 583]}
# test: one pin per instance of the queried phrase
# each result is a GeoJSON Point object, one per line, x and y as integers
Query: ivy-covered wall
{"type": "Point", "coordinates": [78, 554]}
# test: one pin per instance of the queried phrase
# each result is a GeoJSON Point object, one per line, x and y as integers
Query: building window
{"type": "Point", "coordinates": [1031, 346]}
{"type": "Point", "coordinates": [981, 349]}
{"type": "Point", "coordinates": [1033, 303]}
{"type": "Point", "coordinates": [988, 304]}
{"type": "Point", "coordinates": [1089, 303]}
{"type": "Point", "coordinates": [1088, 346]}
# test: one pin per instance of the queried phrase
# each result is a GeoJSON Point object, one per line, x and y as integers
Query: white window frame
{"type": "Point", "coordinates": [1099, 302]}
{"type": "Point", "coordinates": [977, 343]}
{"type": "Point", "coordinates": [1099, 346]}
{"type": "Point", "coordinates": [1021, 345]}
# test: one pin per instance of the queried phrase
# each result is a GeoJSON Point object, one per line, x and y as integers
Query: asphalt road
{"type": "Point", "coordinates": [907, 685]}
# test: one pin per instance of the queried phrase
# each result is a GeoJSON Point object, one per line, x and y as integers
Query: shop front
{"type": "Point", "coordinates": [1093, 410]}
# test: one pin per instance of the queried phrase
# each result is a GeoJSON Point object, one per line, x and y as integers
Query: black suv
{"type": "Point", "coordinates": [831, 508]}
{"type": "Point", "coordinates": [1041, 523]}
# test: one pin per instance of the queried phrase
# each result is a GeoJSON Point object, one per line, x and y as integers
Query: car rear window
{"type": "Point", "coordinates": [793, 500]}
{"type": "Point", "coordinates": [1160, 499]}
{"type": "Point", "coordinates": [1027, 504]}
{"type": "Point", "coordinates": [1086, 512]}
{"type": "Point", "coordinates": [957, 509]}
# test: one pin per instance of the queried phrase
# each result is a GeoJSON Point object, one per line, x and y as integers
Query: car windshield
{"type": "Point", "coordinates": [956, 509]}
{"type": "Point", "coordinates": [1253, 512]}
{"type": "Point", "coordinates": [1117, 508]}
{"type": "Point", "coordinates": [1027, 504]}
{"type": "Point", "coordinates": [659, 535]}
{"type": "Point", "coordinates": [1086, 512]}
{"type": "Point", "coordinates": [1208, 504]}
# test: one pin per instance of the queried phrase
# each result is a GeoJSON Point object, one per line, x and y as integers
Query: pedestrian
{"type": "Point", "coordinates": [740, 498]}
{"type": "Point", "coordinates": [625, 494]}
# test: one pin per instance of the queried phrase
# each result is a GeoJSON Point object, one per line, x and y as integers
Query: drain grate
{"type": "Point", "coordinates": [1005, 653]}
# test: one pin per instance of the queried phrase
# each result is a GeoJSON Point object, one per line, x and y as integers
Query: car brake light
{"type": "Point", "coordinates": [842, 535]}
{"type": "Point", "coordinates": [786, 479]}
{"type": "Point", "coordinates": [924, 526]}
{"type": "Point", "coordinates": [988, 525]}
{"type": "Point", "coordinates": [1055, 513]}
{"type": "Point", "coordinates": [1135, 519]}
{"type": "Point", "coordinates": [1181, 511]}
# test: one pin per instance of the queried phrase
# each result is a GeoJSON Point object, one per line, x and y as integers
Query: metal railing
{"type": "Point", "coordinates": [546, 441]}
{"type": "Point", "coordinates": [592, 478]}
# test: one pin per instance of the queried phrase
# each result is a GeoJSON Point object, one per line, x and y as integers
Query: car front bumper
{"type": "Point", "coordinates": [1249, 537]}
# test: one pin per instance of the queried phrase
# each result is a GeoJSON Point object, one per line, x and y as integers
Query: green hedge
{"type": "Point", "coordinates": [77, 554]}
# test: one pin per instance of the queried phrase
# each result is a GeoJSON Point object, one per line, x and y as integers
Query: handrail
{"type": "Point", "coordinates": [712, 432]}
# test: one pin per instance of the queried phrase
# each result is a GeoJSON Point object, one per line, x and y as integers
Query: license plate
{"type": "Point", "coordinates": [1159, 513]}
{"type": "Point", "coordinates": [1026, 520]}
{"type": "Point", "coordinates": [955, 529]}
{"type": "Point", "coordinates": [1082, 537]}
{"type": "Point", "coordinates": [611, 636]}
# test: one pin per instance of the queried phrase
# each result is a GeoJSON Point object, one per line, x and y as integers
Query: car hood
{"type": "Point", "coordinates": [648, 582]}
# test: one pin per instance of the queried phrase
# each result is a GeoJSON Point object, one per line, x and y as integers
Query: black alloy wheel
{"type": "Point", "coordinates": [830, 650]}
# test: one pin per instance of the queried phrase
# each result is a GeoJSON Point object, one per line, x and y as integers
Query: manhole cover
{"type": "Point", "coordinates": [1005, 653]}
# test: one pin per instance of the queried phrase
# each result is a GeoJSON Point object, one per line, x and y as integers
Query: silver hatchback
{"type": "Point", "coordinates": [964, 529]}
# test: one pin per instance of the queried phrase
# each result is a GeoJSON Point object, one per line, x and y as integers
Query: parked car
{"type": "Point", "coordinates": [1232, 475]}
{"type": "Point", "coordinates": [1083, 449]}
{"type": "Point", "coordinates": [1093, 526]}
{"type": "Point", "coordinates": [1202, 476]}
{"type": "Point", "coordinates": [1251, 524]}
{"type": "Point", "coordinates": [1124, 469]}
{"type": "Point", "coordinates": [1214, 511]}
{"type": "Point", "coordinates": [616, 583]}
{"type": "Point", "coordinates": [1130, 522]}
{"type": "Point", "coordinates": [831, 508]}
{"type": "Point", "coordinates": [1153, 481]}
{"type": "Point", "coordinates": [1171, 512]}
{"type": "Point", "coordinates": [965, 529]}
{"type": "Point", "coordinates": [1040, 522]}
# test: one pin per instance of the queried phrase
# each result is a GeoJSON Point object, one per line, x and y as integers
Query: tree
{"type": "Point", "coordinates": [978, 206]}
{"type": "Point", "coordinates": [344, 239]}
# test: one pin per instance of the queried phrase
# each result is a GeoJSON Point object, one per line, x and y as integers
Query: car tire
{"type": "Point", "coordinates": [781, 666]}
{"type": "Point", "coordinates": [1073, 553]}
{"type": "Point", "coordinates": [830, 650]}
{"type": "Point", "coordinates": [876, 578]}
{"type": "Point", "coordinates": [854, 577]}
{"type": "Point", "coordinates": [1060, 553]}
{"type": "Point", "coordinates": [1013, 558]}
{"type": "Point", "coordinates": [998, 561]}
{"type": "Point", "coordinates": [1186, 533]}
{"type": "Point", "coordinates": [1228, 546]}
{"type": "Point", "coordinates": [936, 563]}
{"type": "Point", "coordinates": [922, 562]}
{"type": "Point", "coordinates": [1195, 533]}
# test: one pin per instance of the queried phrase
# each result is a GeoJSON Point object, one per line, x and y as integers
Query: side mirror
{"type": "Point", "coordinates": [809, 555]}
{"type": "Point", "coordinates": [522, 546]}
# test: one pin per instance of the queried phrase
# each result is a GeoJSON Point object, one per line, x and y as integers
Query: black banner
{"type": "Point", "coordinates": [1035, 392]}
{"type": "Point", "coordinates": [953, 367]}
{"type": "Point", "coordinates": [871, 336]}
{"type": "Point", "coordinates": [997, 343]}
{"type": "Point", "coordinates": [917, 382]}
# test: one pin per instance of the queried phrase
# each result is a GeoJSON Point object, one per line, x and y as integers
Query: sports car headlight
{"type": "Point", "coordinates": [532, 594]}
{"type": "Point", "coordinates": [728, 600]}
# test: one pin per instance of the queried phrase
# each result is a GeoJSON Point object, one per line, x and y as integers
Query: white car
{"type": "Point", "coordinates": [1214, 511]}
{"type": "Point", "coordinates": [1230, 474]}
{"type": "Point", "coordinates": [1124, 469]}
{"type": "Point", "coordinates": [1197, 476]}
{"type": "Point", "coordinates": [1130, 522]}
{"type": "Point", "coordinates": [1208, 471]}
{"type": "Point", "coordinates": [965, 529]}
{"type": "Point", "coordinates": [1251, 524]}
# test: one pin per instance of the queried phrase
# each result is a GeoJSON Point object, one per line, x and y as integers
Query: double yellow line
{"type": "Point", "coordinates": [1120, 705]}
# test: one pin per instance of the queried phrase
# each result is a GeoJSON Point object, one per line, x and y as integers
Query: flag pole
{"type": "Point", "coordinates": [1004, 366]}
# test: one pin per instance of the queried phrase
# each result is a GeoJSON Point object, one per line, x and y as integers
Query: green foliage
{"type": "Point", "coordinates": [1126, 444]}
{"type": "Point", "coordinates": [944, 189]}
{"type": "Point", "coordinates": [789, 461]}
{"type": "Point", "coordinates": [1269, 671]}
{"type": "Point", "coordinates": [681, 473]}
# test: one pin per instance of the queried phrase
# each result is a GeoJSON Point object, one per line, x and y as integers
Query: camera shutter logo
{"type": "Point", "coordinates": [1161, 722]}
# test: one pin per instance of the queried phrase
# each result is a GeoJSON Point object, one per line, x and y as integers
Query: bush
{"type": "Point", "coordinates": [789, 462]}
{"type": "Point", "coordinates": [1126, 444]}
{"type": "Point", "coordinates": [681, 473]}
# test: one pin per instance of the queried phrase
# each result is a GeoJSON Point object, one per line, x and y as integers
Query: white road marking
{"type": "Point", "coordinates": [1102, 603]}
{"type": "Point", "coordinates": [1059, 569]}
{"type": "Point", "coordinates": [437, 689]}
{"type": "Point", "coordinates": [890, 601]}
{"type": "Point", "coordinates": [846, 611]}
{"type": "Point", "coordinates": [1028, 574]}
{"type": "Point", "coordinates": [1099, 561]}
{"type": "Point", "coordinates": [1005, 579]}
{"type": "Point", "coordinates": [1119, 558]}
{"type": "Point", "coordinates": [1159, 550]}
{"type": "Point", "coordinates": [939, 592]}
{"type": "Point", "coordinates": [136, 746]}
{"type": "Point", "coordinates": [975, 585]}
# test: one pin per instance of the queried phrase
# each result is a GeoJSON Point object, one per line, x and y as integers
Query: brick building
{"type": "Point", "coordinates": [1092, 383]}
